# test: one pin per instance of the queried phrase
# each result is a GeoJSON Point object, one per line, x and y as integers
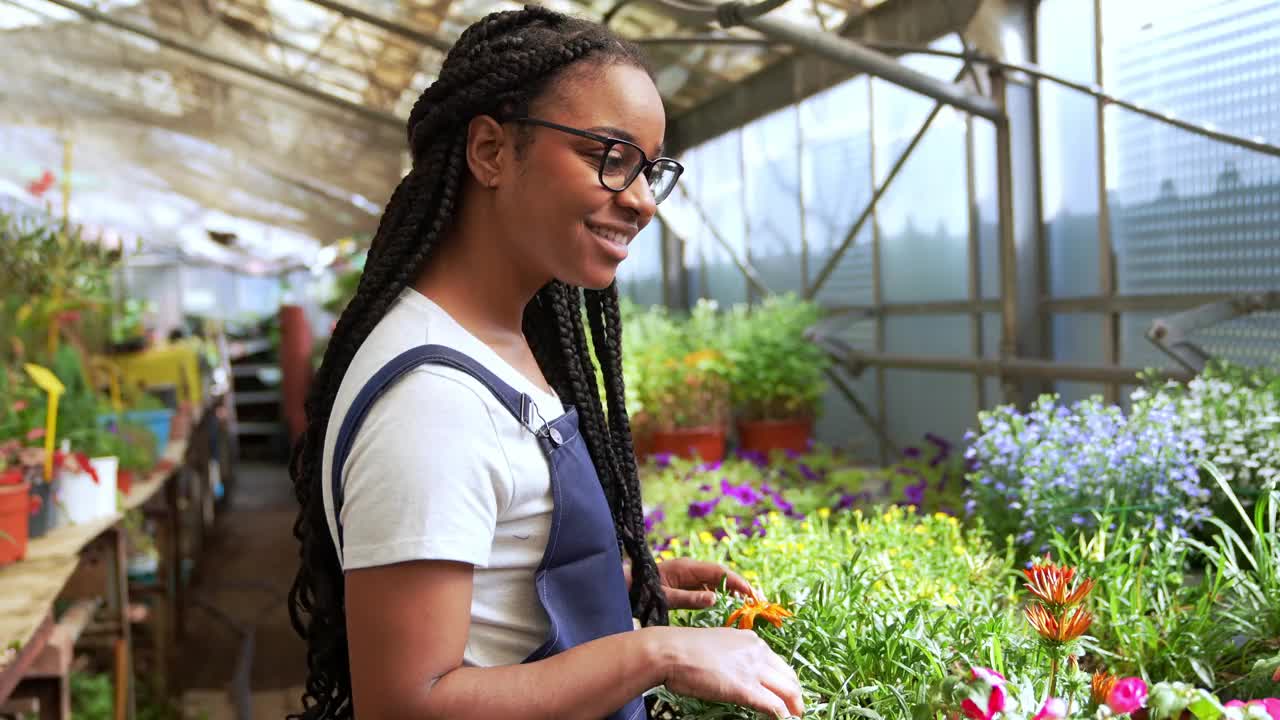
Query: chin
{"type": "Point", "coordinates": [594, 278]}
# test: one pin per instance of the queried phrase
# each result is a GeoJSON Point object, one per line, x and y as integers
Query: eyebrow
{"type": "Point", "coordinates": [621, 134]}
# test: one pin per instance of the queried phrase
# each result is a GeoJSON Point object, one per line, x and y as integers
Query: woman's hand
{"type": "Point", "coordinates": [728, 665]}
{"type": "Point", "coordinates": [692, 584]}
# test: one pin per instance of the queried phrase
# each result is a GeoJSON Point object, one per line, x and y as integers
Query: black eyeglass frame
{"type": "Point", "coordinates": [609, 142]}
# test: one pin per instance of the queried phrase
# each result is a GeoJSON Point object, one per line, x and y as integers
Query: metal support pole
{"type": "Point", "coordinates": [878, 193]}
{"type": "Point", "coordinates": [1106, 252]}
{"type": "Point", "coordinates": [861, 58]}
{"type": "Point", "coordinates": [1008, 246]}
{"type": "Point", "coordinates": [876, 424]}
{"type": "Point", "coordinates": [746, 268]}
{"type": "Point", "coordinates": [213, 58]}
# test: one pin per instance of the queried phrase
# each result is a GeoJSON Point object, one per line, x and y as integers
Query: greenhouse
{"type": "Point", "coordinates": [687, 359]}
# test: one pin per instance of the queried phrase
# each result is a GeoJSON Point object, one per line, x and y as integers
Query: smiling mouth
{"type": "Point", "coordinates": [613, 236]}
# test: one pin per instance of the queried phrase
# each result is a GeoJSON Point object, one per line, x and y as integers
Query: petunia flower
{"type": "Point", "coordinates": [1054, 709]}
{"type": "Point", "coordinates": [987, 675]}
{"type": "Point", "coordinates": [1129, 695]}
{"type": "Point", "coordinates": [703, 508]}
{"type": "Point", "coordinates": [745, 616]}
{"type": "Point", "coordinates": [996, 703]}
{"type": "Point", "coordinates": [743, 493]}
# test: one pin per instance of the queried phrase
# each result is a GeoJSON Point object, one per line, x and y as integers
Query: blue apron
{"type": "Point", "coordinates": [580, 580]}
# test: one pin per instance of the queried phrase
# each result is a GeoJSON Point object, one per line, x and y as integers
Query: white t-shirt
{"type": "Point", "coordinates": [440, 470]}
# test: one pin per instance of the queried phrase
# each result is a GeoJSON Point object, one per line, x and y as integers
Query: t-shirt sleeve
{"type": "Point", "coordinates": [425, 479]}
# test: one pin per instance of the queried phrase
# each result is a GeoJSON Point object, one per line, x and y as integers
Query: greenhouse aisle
{"type": "Point", "coordinates": [248, 564]}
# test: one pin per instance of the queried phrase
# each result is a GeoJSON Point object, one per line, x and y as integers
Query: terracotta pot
{"type": "Point", "coordinates": [705, 443]}
{"type": "Point", "coordinates": [764, 436]}
{"type": "Point", "coordinates": [15, 510]}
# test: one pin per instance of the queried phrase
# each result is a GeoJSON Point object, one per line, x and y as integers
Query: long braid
{"type": "Point", "coordinates": [499, 65]}
{"type": "Point", "coordinates": [605, 316]}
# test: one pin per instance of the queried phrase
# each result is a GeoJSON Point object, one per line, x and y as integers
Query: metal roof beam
{"type": "Point", "coordinates": [368, 113]}
{"type": "Point", "coordinates": [389, 25]}
{"type": "Point", "coordinates": [800, 76]}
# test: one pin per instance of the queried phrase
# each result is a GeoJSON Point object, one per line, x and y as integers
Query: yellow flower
{"type": "Point", "coordinates": [706, 537]}
{"type": "Point", "coordinates": [804, 525]}
{"type": "Point", "coordinates": [930, 542]}
{"type": "Point", "coordinates": [950, 599]}
{"type": "Point", "coordinates": [824, 513]}
{"type": "Point", "coordinates": [799, 547]}
{"type": "Point", "coordinates": [877, 585]}
{"type": "Point", "coordinates": [751, 575]}
{"type": "Point", "coordinates": [907, 564]}
{"type": "Point", "coordinates": [667, 555]}
{"type": "Point", "coordinates": [675, 543]}
{"type": "Point", "coordinates": [921, 530]}
{"type": "Point", "coordinates": [941, 516]}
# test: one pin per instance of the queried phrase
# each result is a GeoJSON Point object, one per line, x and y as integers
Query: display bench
{"type": "Point", "coordinates": [83, 569]}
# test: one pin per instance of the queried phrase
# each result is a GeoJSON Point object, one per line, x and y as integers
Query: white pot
{"type": "Point", "coordinates": [80, 499]}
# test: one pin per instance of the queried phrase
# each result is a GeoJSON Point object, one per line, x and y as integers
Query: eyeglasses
{"type": "Point", "coordinates": [621, 162]}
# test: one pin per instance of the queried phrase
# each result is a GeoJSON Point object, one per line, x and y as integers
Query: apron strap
{"type": "Point", "coordinates": [516, 402]}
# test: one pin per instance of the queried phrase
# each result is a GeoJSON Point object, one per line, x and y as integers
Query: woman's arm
{"type": "Point", "coordinates": [407, 626]}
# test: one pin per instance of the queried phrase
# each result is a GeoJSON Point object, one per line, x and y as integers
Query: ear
{"type": "Point", "coordinates": [486, 150]}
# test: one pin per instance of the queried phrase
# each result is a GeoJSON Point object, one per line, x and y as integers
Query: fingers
{"type": "Point", "coordinates": [690, 599]}
{"type": "Point", "coordinates": [787, 690]}
{"type": "Point", "coordinates": [766, 701]}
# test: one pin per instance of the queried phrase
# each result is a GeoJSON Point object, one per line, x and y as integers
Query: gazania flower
{"type": "Point", "coordinates": [1101, 686]}
{"type": "Point", "coordinates": [1072, 626]}
{"type": "Point", "coordinates": [1053, 585]}
{"type": "Point", "coordinates": [745, 616]}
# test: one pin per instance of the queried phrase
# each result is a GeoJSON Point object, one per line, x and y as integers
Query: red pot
{"type": "Point", "coordinates": [764, 436]}
{"type": "Point", "coordinates": [705, 443]}
{"type": "Point", "coordinates": [15, 511]}
{"type": "Point", "coordinates": [124, 481]}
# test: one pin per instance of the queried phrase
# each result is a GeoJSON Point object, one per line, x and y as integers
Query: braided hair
{"type": "Point", "coordinates": [498, 66]}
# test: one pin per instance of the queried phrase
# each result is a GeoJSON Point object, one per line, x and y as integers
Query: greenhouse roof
{"type": "Point", "coordinates": [280, 121]}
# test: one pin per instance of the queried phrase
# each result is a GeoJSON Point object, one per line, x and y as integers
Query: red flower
{"type": "Point", "coordinates": [81, 460]}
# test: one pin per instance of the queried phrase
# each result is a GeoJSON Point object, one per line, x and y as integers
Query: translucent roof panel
{"type": "Point", "coordinates": [285, 113]}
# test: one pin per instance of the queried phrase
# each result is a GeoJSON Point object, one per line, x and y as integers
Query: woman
{"type": "Point", "coordinates": [464, 498]}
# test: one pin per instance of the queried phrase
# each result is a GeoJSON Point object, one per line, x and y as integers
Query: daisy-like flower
{"type": "Point", "coordinates": [1100, 687]}
{"type": "Point", "coordinates": [745, 616]}
{"type": "Point", "coordinates": [1055, 586]}
{"type": "Point", "coordinates": [1072, 626]}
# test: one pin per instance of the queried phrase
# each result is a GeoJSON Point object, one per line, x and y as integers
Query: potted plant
{"type": "Point", "coordinates": [777, 374]}
{"type": "Point", "coordinates": [15, 511]}
{"type": "Point", "coordinates": [685, 388]}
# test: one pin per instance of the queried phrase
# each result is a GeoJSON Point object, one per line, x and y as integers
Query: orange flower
{"type": "Point", "coordinates": [745, 616]}
{"type": "Point", "coordinates": [1050, 628]}
{"type": "Point", "coordinates": [1052, 585]}
{"type": "Point", "coordinates": [1101, 686]}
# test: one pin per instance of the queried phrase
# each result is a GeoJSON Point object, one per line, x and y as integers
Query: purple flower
{"type": "Point", "coordinates": [744, 493]}
{"type": "Point", "coordinates": [791, 454]}
{"type": "Point", "coordinates": [719, 533]}
{"type": "Point", "coordinates": [847, 501]}
{"type": "Point", "coordinates": [653, 519]}
{"type": "Point", "coordinates": [666, 543]}
{"type": "Point", "coordinates": [808, 472]}
{"type": "Point", "coordinates": [709, 467]}
{"type": "Point", "coordinates": [914, 494]}
{"type": "Point", "coordinates": [662, 460]}
{"type": "Point", "coordinates": [703, 508]}
{"type": "Point", "coordinates": [756, 527]}
{"type": "Point", "coordinates": [755, 457]}
{"type": "Point", "coordinates": [705, 487]}
{"type": "Point", "coordinates": [911, 452]}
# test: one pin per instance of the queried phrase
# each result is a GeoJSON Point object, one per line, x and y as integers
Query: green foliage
{"type": "Point", "coordinates": [884, 605]}
{"type": "Point", "coordinates": [677, 367]}
{"type": "Point", "coordinates": [776, 373]}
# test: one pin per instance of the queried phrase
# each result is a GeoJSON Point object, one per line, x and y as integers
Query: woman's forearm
{"type": "Point", "coordinates": [588, 681]}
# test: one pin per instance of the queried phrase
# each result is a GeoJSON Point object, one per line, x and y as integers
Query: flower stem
{"type": "Point", "coordinates": [1053, 677]}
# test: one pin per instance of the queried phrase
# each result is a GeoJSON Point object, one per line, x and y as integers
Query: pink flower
{"type": "Point", "coordinates": [988, 676]}
{"type": "Point", "coordinates": [20, 405]}
{"type": "Point", "coordinates": [1271, 705]}
{"type": "Point", "coordinates": [1129, 695]}
{"type": "Point", "coordinates": [996, 703]}
{"type": "Point", "coordinates": [35, 434]}
{"type": "Point", "coordinates": [1054, 709]}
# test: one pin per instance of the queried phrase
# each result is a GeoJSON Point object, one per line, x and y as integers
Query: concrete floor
{"type": "Point", "coordinates": [248, 564]}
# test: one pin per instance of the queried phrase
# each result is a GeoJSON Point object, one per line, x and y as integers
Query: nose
{"type": "Point", "coordinates": [638, 197]}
